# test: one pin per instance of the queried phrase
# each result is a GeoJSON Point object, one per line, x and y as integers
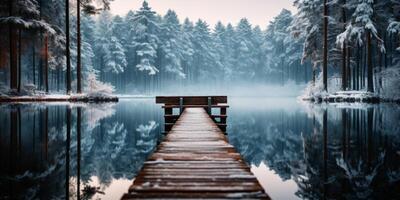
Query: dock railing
{"type": "Point", "coordinates": [209, 103]}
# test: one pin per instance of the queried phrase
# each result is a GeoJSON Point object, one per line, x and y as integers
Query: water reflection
{"type": "Point", "coordinates": [297, 151]}
{"type": "Point", "coordinates": [54, 151]}
{"type": "Point", "coordinates": [330, 152]}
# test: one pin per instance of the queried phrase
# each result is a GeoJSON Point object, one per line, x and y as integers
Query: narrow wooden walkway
{"type": "Point", "coordinates": [195, 161]}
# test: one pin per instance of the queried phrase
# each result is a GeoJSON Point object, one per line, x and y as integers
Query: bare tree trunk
{"type": "Point", "coordinates": [370, 81]}
{"type": "Point", "coordinates": [354, 76]}
{"type": "Point", "coordinates": [344, 68]}
{"type": "Point", "coordinates": [34, 62]}
{"type": "Point", "coordinates": [67, 45]}
{"type": "Point", "coordinates": [344, 49]}
{"type": "Point", "coordinates": [348, 68]}
{"type": "Point", "coordinates": [46, 62]}
{"type": "Point", "coordinates": [41, 50]}
{"type": "Point", "coordinates": [19, 59]}
{"type": "Point", "coordinates": [13, 51]}
{"type": "Point", "coordinates": [325, 57]}
{"type": "Point", "coordinates": [78, 64]}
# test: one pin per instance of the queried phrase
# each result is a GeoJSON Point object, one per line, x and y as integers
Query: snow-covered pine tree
{"type": "Point", "coordinates": [361, 30]}
{"type": "Point", "coordinates": [308, 24]}
{"type": "Point", "coordinates": [205, 57]}
{"type": "Point", "coordinates": [187, 45]}
{"type": "Point", "coordinates": [220, 47]}
{"type": "Point", "coordinates": [146, 41]}
{"type": "Point", "coordinates": [88, 54]}
{"type": "Point", "coordinates": [172, 44]}
{"type": "Point", "coordinates": [244, 46]}
{"type": "Point", "coordinates": [113, 54]}
{"type": "Point", "coordinates": [258, 54]}
{"type": "Point", "coordinates": [278, 41]}
{"type": "Point", "coordinates": [228, 39]}
{"type": "Point", "coordinates": [21, 16]}
{"type": "Point", "coordinates": [116, 63]}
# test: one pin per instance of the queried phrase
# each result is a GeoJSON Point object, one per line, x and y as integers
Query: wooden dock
{"type": "Point", "coordinates": [195, 161]}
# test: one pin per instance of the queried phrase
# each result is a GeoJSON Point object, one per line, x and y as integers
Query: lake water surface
{"type": "Point", "coordinates": [296, 150]}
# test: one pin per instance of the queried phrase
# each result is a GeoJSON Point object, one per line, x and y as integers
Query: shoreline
{"type": "Point", "coordinates": [334, 99]}
{"type": "Point", "coordinates": [61, 98]}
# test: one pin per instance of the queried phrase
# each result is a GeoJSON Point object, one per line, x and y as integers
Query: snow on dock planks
{"type": "Point", "coordinates": [195, 161]}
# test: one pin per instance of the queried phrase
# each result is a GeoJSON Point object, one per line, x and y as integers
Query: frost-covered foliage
{"type": "Point", "coordinates": [146, 41]}
{"type": "Point", "coordinates": [96, 87]}
{"type": "Point", "coordinates": [317, 89]}
{"type": "Point", "coordinates": [171, 44]}
{"type": "Point", "coordinates": [27, 17]}
{"type": "Point", "coordinates": [110, 53]}
{"type": "Point", "coordinates": [283, 51]}
{"type": "Point", "coordinates": [307, 24]}
{"type": "Point", "coordinates": [125, 50]}
{"type": "Point", "coordinates": [362, 22]}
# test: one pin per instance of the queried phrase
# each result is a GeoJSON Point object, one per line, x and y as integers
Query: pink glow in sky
{"type": "Point", "coordinates": [259, 12]}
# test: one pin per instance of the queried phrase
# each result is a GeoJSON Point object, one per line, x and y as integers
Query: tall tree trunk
{"type": "Point", "coordinates": [78, 63]}
{"type": "Point", "coordinates": [41, 50]}
{"type": "Point", "coordinates": [354, 75]}
{"type": "Point", "coordinates": [325, 61]}
{"type": "Point", "coordinates": [19, 59]}
{"type": "Point", "coordinates": [13, 51]}
{"type": "Point", "coordinates": [370, 81]}
{"type": "Point", "coordinates": [67, 46]}
{"type": "Point", "coordinates": [380, 71]}
{"type": "Point", "coordinates": [46, 62]}
{"type": "Point", "coordinates": [348, 68]}
{"type": "Point", "coordinates": [358, 68]}
{"type": "Point", "coordinates": [34, 61]}
{"type": "Point", "coordinates": [344, 49]}
{"type": "Point", "coordinates": [344, 68]}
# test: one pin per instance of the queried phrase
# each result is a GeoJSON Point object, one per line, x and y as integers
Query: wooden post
{"type": "Point", "coordinates": [209, 105]}
{"type": "Point", "coordinates": [167, 111]}
{"type": "Point", "coordinates": [180, 105]}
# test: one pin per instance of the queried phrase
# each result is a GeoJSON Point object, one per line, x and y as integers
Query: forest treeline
{"type": "Point", "coordinates": [144, 52]}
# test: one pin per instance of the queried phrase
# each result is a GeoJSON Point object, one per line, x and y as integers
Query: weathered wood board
{"type": "Point", "coordinates": [195, 161]}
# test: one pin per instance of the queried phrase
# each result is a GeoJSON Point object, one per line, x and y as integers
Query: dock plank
{"type": "Point", "coordinates": [195, 161]}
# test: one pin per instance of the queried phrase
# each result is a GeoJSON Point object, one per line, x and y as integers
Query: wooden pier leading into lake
{"type": "Point", "coordinates": [195, 160]}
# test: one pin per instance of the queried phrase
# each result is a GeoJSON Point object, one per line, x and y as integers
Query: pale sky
{"type": "Point", "coordinates": [258, 12]}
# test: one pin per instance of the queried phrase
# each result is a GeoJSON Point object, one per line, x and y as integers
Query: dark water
{"type": "Point", "coordinates": [297, 151]}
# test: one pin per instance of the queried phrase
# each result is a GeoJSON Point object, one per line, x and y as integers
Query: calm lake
{"type": "Point", "coordinates": [297, 150]}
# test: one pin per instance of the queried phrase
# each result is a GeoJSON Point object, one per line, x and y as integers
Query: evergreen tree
{"type": "Point", "coordinates": [146, 41]}
{"type": "Point", "coordinates": [308, 24]}
{"type": "Point", "coordinates": [172, 44]}
{"type": "Point", "coordinates": [244, 45]}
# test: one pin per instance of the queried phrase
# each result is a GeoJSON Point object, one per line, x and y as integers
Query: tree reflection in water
{"type": "Point", "coordinates": [331, 152]}
{"type": "Point", "coordinates": [39, 147]}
